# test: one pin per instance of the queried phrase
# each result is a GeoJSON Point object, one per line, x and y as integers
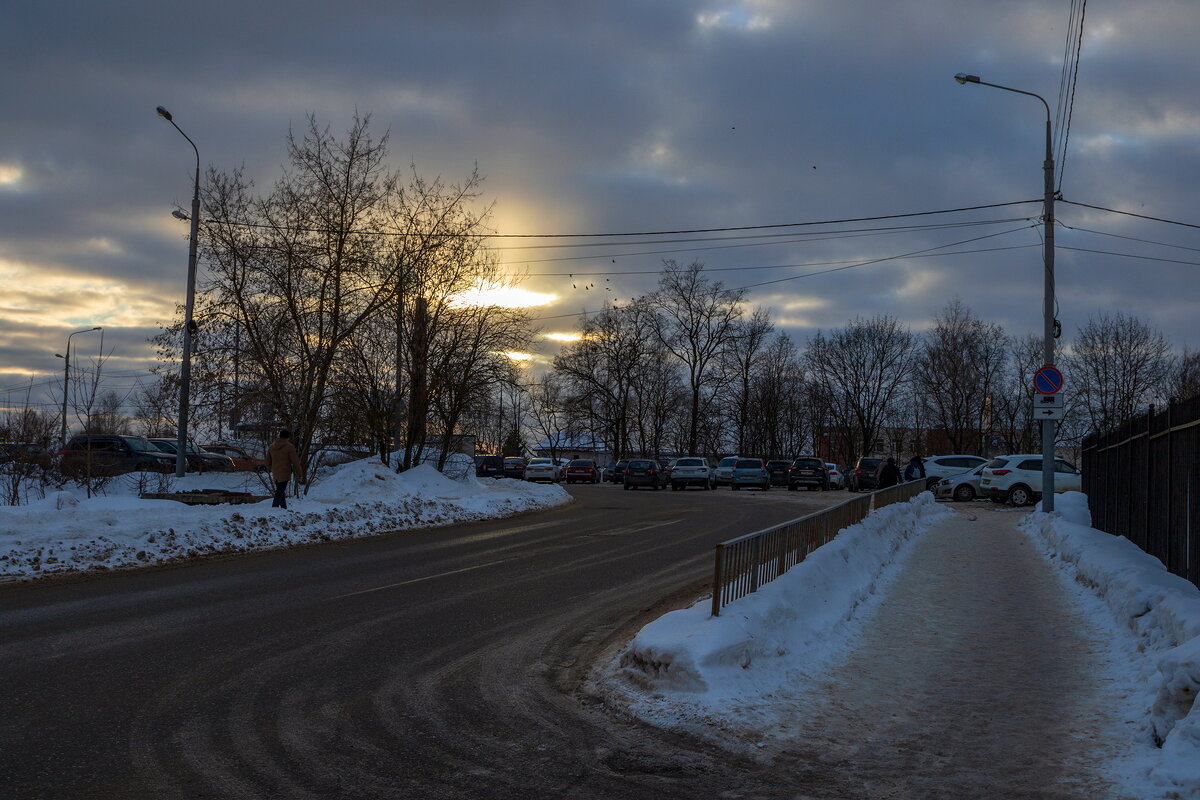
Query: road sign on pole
{"type": "Point", "coordinates": [1047, 380]}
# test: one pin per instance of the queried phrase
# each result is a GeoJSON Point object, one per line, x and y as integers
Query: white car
{"type": "Point", "coordinates": [690, 471]}
{"type": "Point", "coordinates": [836, 479]}
{"type": "Point", "coordinates": [541, 469]}
{"type": "Point", "coordinates": [938, 467]}
{"type": "Point", "coordinates": [1018, 479]}
{"type": "Point", "coordinates": [961, 487]}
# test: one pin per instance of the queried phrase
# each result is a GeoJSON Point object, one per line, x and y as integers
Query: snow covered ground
{"type": "Point", "coordinates": [692, 671]}
{"type": "Point", "coordinates": [69, 532]}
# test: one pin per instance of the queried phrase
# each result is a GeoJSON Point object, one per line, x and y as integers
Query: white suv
{"type": "Point", "coordinates": [1018, 479]}
{"type": "Point", "coordinates": [690, 471]}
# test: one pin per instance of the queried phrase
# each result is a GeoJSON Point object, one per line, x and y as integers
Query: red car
{"type": "Point", "coordinates": [582, 470]}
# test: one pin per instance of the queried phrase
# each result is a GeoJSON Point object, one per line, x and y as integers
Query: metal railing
{"type": "Point", "coordinates": [743, 564]}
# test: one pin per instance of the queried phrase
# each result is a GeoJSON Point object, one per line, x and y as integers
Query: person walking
{"type": "Point", "coordinates": [888, 475]}
{"type": "Point", "coordinates": [284, 462]}
{"type": "Point", "coordinates": [914, 470]}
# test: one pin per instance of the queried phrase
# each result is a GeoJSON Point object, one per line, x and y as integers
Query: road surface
{"type": "Point", "coordinates": [437, 664]}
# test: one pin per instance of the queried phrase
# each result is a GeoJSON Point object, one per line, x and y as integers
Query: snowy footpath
{"type": "Point", "coordinates": [930, 653]}
{"type": "Point", "coordinates": [69, 533]}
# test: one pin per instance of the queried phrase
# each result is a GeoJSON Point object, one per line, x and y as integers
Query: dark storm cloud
{"type": "Point", "coordinates": [620, 116]}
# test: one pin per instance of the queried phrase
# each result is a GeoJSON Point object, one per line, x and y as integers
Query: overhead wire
{"type": "Point", "coordinates": [1130, 214]}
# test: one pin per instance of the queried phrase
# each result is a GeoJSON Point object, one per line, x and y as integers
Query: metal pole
{"type": "Point", "coordinates": [185, 372]}
{"type": "Point", "coordinates": [66, 378]}
{"type": "Point", "coordinates": [1049, 427]}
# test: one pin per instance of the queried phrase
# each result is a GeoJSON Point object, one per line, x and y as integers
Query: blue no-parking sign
{"type": "Point", "coordinates": [1047, 380]}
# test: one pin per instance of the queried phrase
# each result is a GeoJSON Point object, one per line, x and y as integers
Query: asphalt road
{"type": "Point", "coordinates": [436, 664]}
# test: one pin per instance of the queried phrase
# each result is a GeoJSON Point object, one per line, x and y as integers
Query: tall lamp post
{"type": "Point", "coordinates": [67, 377]}
{"type": "Point", "coordinates": [1049, 426]}
{"type": "Point", "coordinates": [185, 372]}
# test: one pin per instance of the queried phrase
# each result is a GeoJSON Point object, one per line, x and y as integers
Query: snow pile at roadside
{"type": "Point", "coordinates": [689, 666]}
{"type": "Point", "coordinates": [68, 532]}
{"type": "Point", "coordinates": [1163, 613]}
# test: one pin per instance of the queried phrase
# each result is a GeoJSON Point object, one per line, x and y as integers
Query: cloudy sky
{"type": "Point", "coordinates": [618, 116]}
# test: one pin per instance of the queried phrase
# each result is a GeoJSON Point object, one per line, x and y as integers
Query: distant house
{"type": "Point", "coordinates": [566, 445]}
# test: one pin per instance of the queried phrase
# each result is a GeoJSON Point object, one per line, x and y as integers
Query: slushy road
{"type": "Point", "coordinates": [433, 664]}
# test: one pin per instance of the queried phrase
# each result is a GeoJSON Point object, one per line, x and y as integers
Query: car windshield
{"type": "Point", "coordinates": [996, 463]}
{"type": "Point", "coordinates": [158, 445]}
{"type": "Point", "coordinates": [514, 461]}
{"type": "Point", "coordinates": [639, 464]}
{"type": "Point", "coordinates": [870, 463]}
{"type": "Point", "coordinates": [540, 462]}
{"type": "Point", "coordinates": [141, 445]}
{"type": "Point", "coordinates": [690, 462]}
{"type": "Point", "coordinates": [580, 462]}
{"type": "Point", "coordinates": [749, 463]}
{"type": "Point", "coordinates": [833, 467]}
{"type": "Point", "coordinates": [809, 463]}
{"type": "Point", "coordinates": [776, 464]}
{"type": "Point", "coordinates": [728, 462]}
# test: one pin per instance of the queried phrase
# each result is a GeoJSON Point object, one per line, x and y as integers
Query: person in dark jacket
{"type": "Point", "coordinates": [889, 474]}
{"type": "Point", "coordinates": [284, 462]}
{"type": "Point", "coordinates": [914, 470]}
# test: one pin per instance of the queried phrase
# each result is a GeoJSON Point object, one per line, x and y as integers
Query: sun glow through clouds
{"type": "Point", "coordinates": [502, 297]}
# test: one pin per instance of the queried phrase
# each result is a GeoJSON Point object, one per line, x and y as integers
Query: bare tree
{"type": "Point", "coordinates": [1121, 365]}
{"type": "Point", "coordinates": [861, 370]}
{"type": "Point", "coordinates": [1185, 382]}
{"type": "Point", "coordinates": [697, 317]}
{"type": "Point", "coordinates": [745, 344]}
{"type": "Point", "coordinates": [956, 371]}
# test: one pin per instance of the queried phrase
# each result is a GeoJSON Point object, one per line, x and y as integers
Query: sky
{"type": "Point", "coordinates": [618, 117]}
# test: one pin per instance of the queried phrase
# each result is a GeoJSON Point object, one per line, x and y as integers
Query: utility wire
{"type": "Point", "coordinates": [1066, 137]}
{"type": "Point", "coordinates": [1130, 214]}
{"type": "Point", "coordinates": [621, 234]}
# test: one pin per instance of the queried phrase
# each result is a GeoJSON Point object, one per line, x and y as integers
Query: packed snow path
{"type": "Point", "coordinates": [977, 677]}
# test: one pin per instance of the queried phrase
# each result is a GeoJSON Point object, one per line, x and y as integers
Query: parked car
{"type": "Point", "coordinates": [938, 467]}
{"type": "Point", "coordinates": [560, 465]}
{"type": "Point", "coordinates": [721, 475]}
{"type": "Point", "coordinates": [198, 460]}
{"type": "Point", "coordinates": [862, 476]}
{"type": "Point", "coordinates": [809, 472]}
{"type": "Point", "coordinates": [25, 453]}
{"type": "Point", "coordinates": [1018, 479]}
{"type": "Point", "coordinates": [691, 471]}
{"type": "Point", "coordinates": [541, 469]}
{"type": "Point", "coordinates": [582, 470]}
{"type": "Point", "coordinates": [111, 454]}
{"type": "Point", "coordinates": [642, 472]}
{"type": "Point", "coordinates": [489, 467]}
{"type": "Point", "coordinates": [779, 472]}
{"type": "Point", "coordinates": [514, 467]}
{"type": "Point", "coordinates": [242, 460]}
{"type": "Point", "coordinates": [617, 473]}
{"type": "Point", "coordinates": [961, 487]}
{"type": "Point", "coordinates": [749, 472]}
{"type": "Point", "coordinates": [837, 480]}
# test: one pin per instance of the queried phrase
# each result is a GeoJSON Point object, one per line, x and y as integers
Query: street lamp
{"type": "Point", "coordinates": [1049, 426]}
{"type": "Point", "coordinates": [185, 372]}
{"type": "Point", "coordinates": [67, 377]}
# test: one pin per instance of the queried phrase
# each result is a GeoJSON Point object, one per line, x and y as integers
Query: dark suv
{"type": "Point", "coordinates": [643, 472]}
{"type": "Point", "coordinates": [112, 454]}
{"type": "Point", "coordinates": [196, 459]}
{"type": "Point", "coordinates": [489, 467]}
{"type": "Point", "coordinates": [809, 472]}
{"type": "Point", "coordinates": [862, 475]}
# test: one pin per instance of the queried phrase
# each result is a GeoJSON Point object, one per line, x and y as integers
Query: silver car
{"type": "Point", "coordinates": [961, 487]}
{"type": "Point", "coordinates": [724, 471]}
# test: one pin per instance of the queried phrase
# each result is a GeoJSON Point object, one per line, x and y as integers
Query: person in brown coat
{"type": "Point", "coordinates": [284, 462]}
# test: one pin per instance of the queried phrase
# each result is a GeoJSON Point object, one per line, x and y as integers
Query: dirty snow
{"type": "Point", "coordinates": [69, 532]}
{"type": "Point", "coordinates": [692, 671]}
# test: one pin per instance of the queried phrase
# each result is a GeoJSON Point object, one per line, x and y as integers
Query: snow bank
{"type": "Point", "coordinates": [1163, 613]}
{"type": "Point", "coordinates": [691, 658]}
{"type": "Point", "coordinates": [68, 532]}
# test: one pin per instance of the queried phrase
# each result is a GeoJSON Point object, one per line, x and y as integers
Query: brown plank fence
{"type": "Point", "coordinates": [743, 564]}
{"type": "Point", "coordinates": [1143, 482]}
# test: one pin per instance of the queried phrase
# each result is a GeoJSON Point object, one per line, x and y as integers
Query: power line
{"type": "Point", "coordinates": [1130, 214]}
{"type": "Point", "coordinates": [927, 253]}
{"type": "Point", "coordinates": [621, 234]}
{"type": "Point", "coordinates": [1131, 255]}
{"type": "Point", "coordinates": [1129, 238]}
